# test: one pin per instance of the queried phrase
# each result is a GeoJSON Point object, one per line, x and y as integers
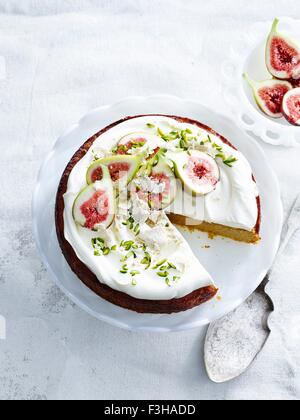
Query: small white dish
{"type": "Point", "coordinates": [237, 268]}
{"type": "Point", "coordinates": [247, 55]}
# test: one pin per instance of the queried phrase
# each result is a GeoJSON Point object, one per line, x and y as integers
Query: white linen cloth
{"type": "Point", "coordinates": [58, 60]}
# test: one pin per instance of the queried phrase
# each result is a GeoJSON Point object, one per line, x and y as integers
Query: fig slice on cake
{"type": "Point", "coordinates": [156, 183]}
{"type": "Point", "coordinates": [282, 55]}
{"type": "Point", "coordinates": [131, 143]}
{"type": "Point", "coordinates": [291, 107]}
{"type": "Point", "coordinates": [122, 169]}
{"type": "Point", "coordinates": [269, 95]}
{"type": "Point", "coordinates": [94, 207]}
{"type": "Point", "coordinates": [198, 171]}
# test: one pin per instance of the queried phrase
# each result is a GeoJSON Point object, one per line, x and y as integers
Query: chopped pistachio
{"type": "Point", "coordinates": [168, 282]}
{"type": "Point", "coordinates": [221, 156]}
{"type": "Point", "coordinates": [137, 229]}
{"type": "Point", "coordinates": [146, 260]}
{"type": "Point", "coordinates": [183, 144]}
{"type": "Point", "coordinates": [134, 273]}
{"type": "Point", "coordinates": [106, 251]}
{"type": "Point", "coordinates": [127, 245]}
{"type": "Point", "coordinates": [171, 265]}
{"type": "Point", "coordinates": [162, 274]}
{"type": "Point", "coordinates": [161, 262]}
{"type": "Point", "coordinates": [229, 161]}
{"type": "Point", "coordinates": [128, 256]}
{"type": "Point", "coordinates": [173, 135]}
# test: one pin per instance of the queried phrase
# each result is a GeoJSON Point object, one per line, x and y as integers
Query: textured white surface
{"type": "Point", "coordinates": [57, 68]}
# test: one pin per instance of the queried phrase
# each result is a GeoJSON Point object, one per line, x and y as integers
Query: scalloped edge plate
{"type": "Point", "coordinates": [247, 55]}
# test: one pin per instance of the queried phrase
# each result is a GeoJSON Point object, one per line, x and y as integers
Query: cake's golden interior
{"type": "Point", "coordinates": [240, 235]}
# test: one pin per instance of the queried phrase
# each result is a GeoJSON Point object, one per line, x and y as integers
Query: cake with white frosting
{"type": "Point", "coordinates": [122, 195]}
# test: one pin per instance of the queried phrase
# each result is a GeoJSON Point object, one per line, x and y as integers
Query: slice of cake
{"type": "Point", "coordinates": [124, 190]}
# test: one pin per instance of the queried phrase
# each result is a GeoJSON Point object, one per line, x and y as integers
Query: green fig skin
{"type": "Point", "coordinates": [133, 163]}
{"type": "Point", "coordinates": [277, 44]}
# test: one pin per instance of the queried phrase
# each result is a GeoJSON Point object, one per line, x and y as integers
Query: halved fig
{"type": "Point", "coordinates": [198, 171]}
{"type": "Point", "coordinates": [121, 168]}
{"type": "Point", "coordinates": [269, 95]}
{"type": "Point", "coordinates": [130, 142]}
{"type": "Point", "coordinates": [94, 207]}
{"type": "Point", "coordinates": [156, 184]}
{"type": "Point", "coordinates": [282, 55]}
{"type": "Point", "coordinates": [291, 106]}
{"type": "Point", "coordinates": [163, 175]}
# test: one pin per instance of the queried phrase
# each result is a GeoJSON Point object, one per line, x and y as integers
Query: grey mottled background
{"type": "Point", "coordinates": [59, 59]}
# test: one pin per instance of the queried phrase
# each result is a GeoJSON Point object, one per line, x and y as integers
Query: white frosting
{"type": "Point", "coordinates": [233, 203]}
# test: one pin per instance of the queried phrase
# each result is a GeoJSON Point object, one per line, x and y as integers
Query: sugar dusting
{"type": "Point", "coordinates": [233, 341]}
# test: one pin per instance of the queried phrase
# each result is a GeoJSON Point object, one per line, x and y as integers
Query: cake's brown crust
{"type": "Point", "coordinates": [190, 301]}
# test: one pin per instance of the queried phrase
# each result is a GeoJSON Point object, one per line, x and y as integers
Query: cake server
{"type": "Point", "coordinates": [233, 342]}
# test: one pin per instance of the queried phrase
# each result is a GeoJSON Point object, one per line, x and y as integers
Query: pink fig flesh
{"type": "Point", "coordinates": [282, 55]}
{"type": "Point", "coordinates": [269, 95]}
{"type": "Point", "coordinates": [291, 106]}
{"type": "Point", "coordinates": [118, 170]}
{"type": "Point", "coordinates": [96, 209]}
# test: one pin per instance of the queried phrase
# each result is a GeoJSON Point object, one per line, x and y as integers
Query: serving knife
{"type": "Point", "coordinates": [233, 342]}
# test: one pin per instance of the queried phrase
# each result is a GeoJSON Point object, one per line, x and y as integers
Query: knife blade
{"type": "Point", "coordinates": [233, 342]}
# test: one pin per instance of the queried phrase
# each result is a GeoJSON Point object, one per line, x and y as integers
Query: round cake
{"type": "Point", "coordinates": [122, 195]}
